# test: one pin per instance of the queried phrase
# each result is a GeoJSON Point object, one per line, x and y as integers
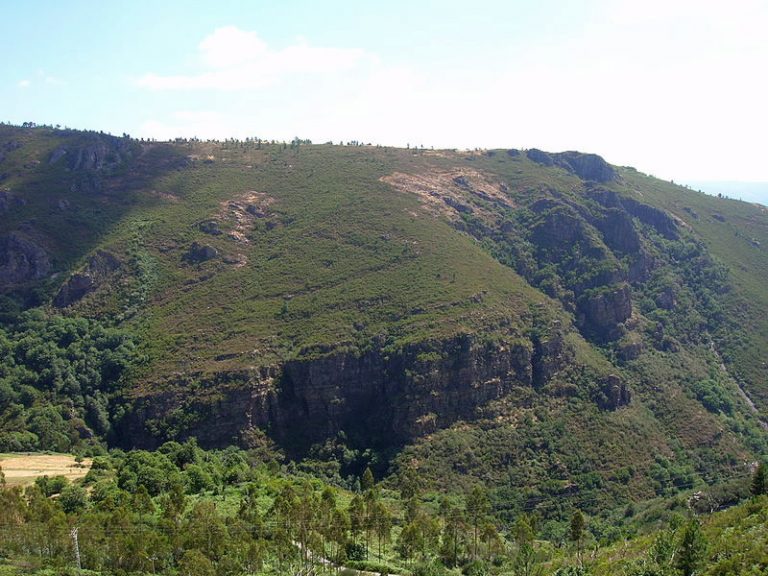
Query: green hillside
{"type": "Point", "coordinates": [559, 330]}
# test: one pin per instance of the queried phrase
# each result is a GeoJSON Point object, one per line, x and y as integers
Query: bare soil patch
{"type": "Point", "coordinates": [448, 193]}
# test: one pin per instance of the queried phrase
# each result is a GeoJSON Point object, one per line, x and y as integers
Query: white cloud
{"type": "Point", "coordinates": [673, 89]}
{"type": "Point", "coordinates": [230, 46]}
{"type": "Point", "coordinates": [24, 83]}
{"type": "Point", "coordinates": [235, 59]}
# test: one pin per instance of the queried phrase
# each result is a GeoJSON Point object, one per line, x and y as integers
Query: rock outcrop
{"type": "Point", "coordinates": [619, 232]}
{"type": "Point", "coordinates": [102, 151]}
{"type": "Point", "coordinates": [210, 227]}
{"type": "Point", "coordinates": [198, 253]}
{"type": "Point", "coordinates": [601, 311]}
{"type": "Point", "coordinates": [99, 268]}
{"type": "Point", "coordinates": [21, 260]}
{"type": "Point", "coordinates": [379, 397]}
{"type": "Point", "coordinates": [586, 166]}
{"type": "Point", "coordinates": [540, 157]}
{"type": "Point", "coordinates": [664, 224]}
{"type": "Point", "coordinates": [590, 167]}
{"type": "Point", "coordinates": [614, 393]}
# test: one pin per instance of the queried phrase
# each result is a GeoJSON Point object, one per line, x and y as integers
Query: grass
{"type": "Point", "coordinates": [21, 469]}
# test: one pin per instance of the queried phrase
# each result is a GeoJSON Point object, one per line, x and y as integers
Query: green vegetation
{"type": "Point", "coordinates": [184, 510]}
{"type": "Point", "coordinates": [58, 380]}
{"type": "Point", "coordinates": [436, 361]}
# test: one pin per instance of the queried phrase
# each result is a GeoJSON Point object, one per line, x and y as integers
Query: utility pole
{"type": "Point", "coordinates": [75, 543]}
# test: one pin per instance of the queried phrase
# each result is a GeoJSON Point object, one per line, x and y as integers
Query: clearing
{"type": "Point", "coordinates": [23, 468]}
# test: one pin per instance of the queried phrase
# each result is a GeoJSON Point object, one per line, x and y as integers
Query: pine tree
{"type": "Point", "coordinates": [693, 548]}
{"type": "Point", "coordinates": [577, 531]}
{"type": "Point", "coordinates": [367, 481]}
{"type": "Point", "coordinates": [477, 507]}
{"type": "Point", "coordinates": [759, 481]}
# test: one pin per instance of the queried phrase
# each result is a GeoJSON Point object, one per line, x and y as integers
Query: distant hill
{"type": "Point", "coordinates": [546, 322]}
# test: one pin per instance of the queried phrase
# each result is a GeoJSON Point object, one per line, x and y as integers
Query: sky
{"type": "Point", "coordinates": [676, 88]}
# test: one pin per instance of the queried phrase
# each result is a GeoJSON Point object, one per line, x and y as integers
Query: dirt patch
{"type": "Point", "coordinates": [453, 192]}
{"type": "Point", "coordinates": [20, 469]}
{"type": "Point", "coordinates": [243, 211]}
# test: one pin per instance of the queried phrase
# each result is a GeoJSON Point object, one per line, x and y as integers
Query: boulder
{"type": "Point", "coordinates": [210, 227]}
{"type": "Point", "coordinates": [255, 210]}
{"type": "Point", "coordinates": [76, 287]}
{"type": "Point", "coordinates": [98, 152]}
{"type": "Point", "coordinates": [198, 253]}
{"type": "Point", "coordinates": [630, 347]}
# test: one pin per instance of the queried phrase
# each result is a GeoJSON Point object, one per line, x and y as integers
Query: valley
{"type": "Point", "coordinates": [544, 333]}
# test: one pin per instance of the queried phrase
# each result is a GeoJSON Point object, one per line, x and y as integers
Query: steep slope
{"type": "Point", "coordinates": [540, 321]}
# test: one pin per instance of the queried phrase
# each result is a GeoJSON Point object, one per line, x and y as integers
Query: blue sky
{"type": "Point", "coordinates": [676, 88]}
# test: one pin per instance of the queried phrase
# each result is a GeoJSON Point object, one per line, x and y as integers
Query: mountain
{"type": "Point", "coordinates": [546, 323]}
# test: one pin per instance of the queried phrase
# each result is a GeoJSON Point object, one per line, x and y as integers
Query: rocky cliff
{"type": "Point", "coordinates": [21, 260]}
{"type": "Point", "coordinates": [378, 398]}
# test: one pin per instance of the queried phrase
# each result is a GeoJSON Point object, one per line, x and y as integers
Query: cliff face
{"type": "Point", "coordinates": [21, 260]}
{"type": "Point", "coordinates": [379, 398]}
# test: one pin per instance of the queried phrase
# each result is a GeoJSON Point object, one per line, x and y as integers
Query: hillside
{"type": "Point", "coordinates": [555, 327]}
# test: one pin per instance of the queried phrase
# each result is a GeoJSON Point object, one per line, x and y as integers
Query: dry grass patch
{"type": "Point", "coordinates": [20, 469]}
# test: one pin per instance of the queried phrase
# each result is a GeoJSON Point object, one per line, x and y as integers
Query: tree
{"type": "Point", "coordinates": [408, 542]}
{"type": "Point", "coordinates": [367, 482]}
{"type": "Point", "coordinates": [195, 563]}
{"type": "Point", "coordinates": [759, 481]}
{"type": "Point", "coordinates": [409, 482]}
{"type": "Point", "coordinates": [73, 499]}
{"type": "Point", "coordinates": [382, 524]}
{"type": "Point", "coordinates": [142, 502]}
{"type": "Point", "coordinates": [693, 548]}
{"type": "Point", "coordinates": [477, 507]}
{"type": "Point", "coordinates": [577, 532]}
{"type": "Point", "coordinates": [526, 562]}
{"type": "Point", "coordinates": [454, 531]}
{"type": "Point", "coordinates": [356, 516]}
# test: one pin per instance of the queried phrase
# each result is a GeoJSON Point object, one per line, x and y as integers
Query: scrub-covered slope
{"type": "Point", "coordinates": [532, 319]}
